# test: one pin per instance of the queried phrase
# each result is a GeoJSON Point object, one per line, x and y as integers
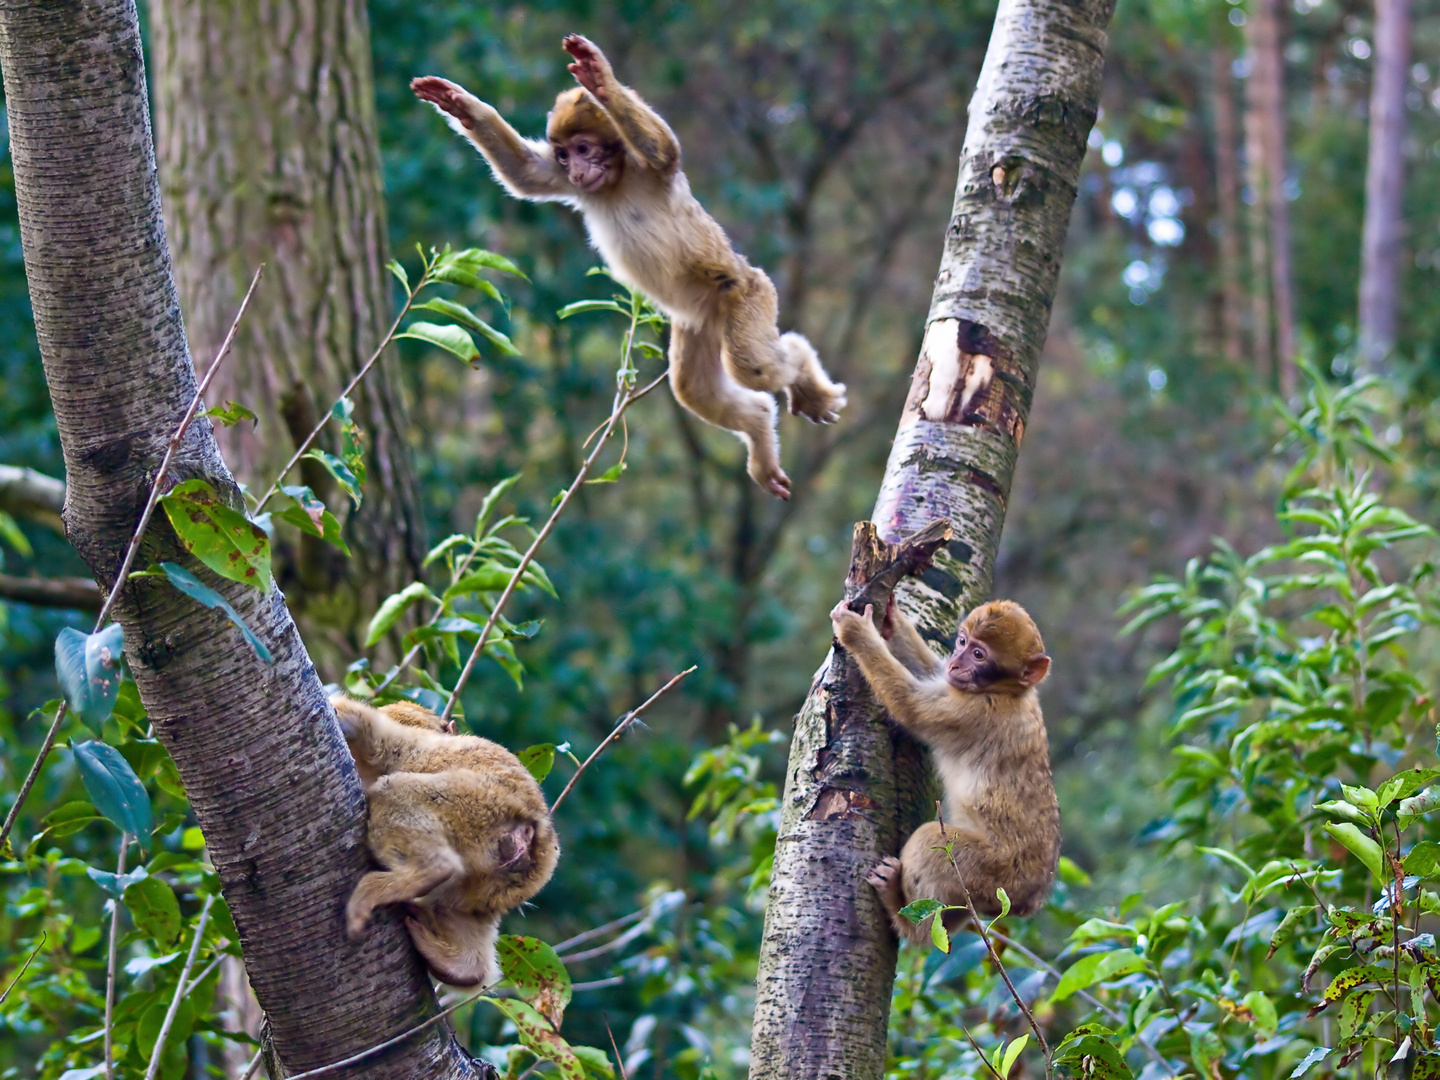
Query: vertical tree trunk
{"type": "Point", "coordinates": [1265, 145]}
{"type": "Point", "coordinates": [854, 786]}
{"type": "Point", "coordinates": [1261, 331]}
{"type": "Point", "coordinates": [1227, 192]}
{"type": "Point", "coordinates": [268, 151]}
{"type": "Point", "coordinates": [1384, 184]}
{"type": "Point", "coordinates": [256, 746]}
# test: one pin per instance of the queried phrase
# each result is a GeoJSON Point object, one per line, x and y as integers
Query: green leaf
{"type": "Point", "coordinates": [11, 534]}
{"type": "Point", "coordinates": [230, 414]}
{"type": "Point", "coordinates": [537, 1036]}
{"type": "Point", "coordinates": [1362, 797]}
{"type": "Point", "coordinates": [114, 788]}
{"type": "Point", "coordinates": [222, 538]}
{"type": "Point", "coordinates": [466, 318]}
{"type": "Point", "coordinates": [595, 1061]}
{"type": "Point", "coordinates": [1417, 806]}
{"type": "Point", "coordinates": [1288, 926]}
{"type": "Point", "coordinates": [193, 587]}
{"type": "Point", "coordinates": [394, 607]}
{"type": "Point", "coordinates": [939, 935]}
{"type": "Point", "coordinates": [156, 912]}
{"type": "Point", "coordinates": [67, 819]}
{"type": "Point", "coordinates": [476, 259]}
{"type": "Point", "coordinates": [1012, 1052]}
{"type": "Point", "coordinates": [1423, 859]}
{"type": "Point", "coordinates": [399, 271]}
{"type": "Point", "coordinates": [538, 760]}
{"type": "Point", "coordinates": [1004, 898]}
{"type": "Point", "coordinates": [1309, 1061]}
{"type": "Point", "coordinates": [310, 516]}
{"type": "Point", "coordinates": [1352, 1014]}
{"type": "Point", "coordinates": [452, 339]}
{"type": "Point", "coordinates": [537, 974]}
{"type": "Point", "coordinates": [1361, 846]}
{"type": "Point", "coordinates": [582, 306]}
{"type": "Point", "coordinates": [610, 475]}
{"type": "Point", "coordinates": [1348, 980]}
{"type": "Point", "coordinates": [1100, 930]}
{"type": "Point", "coordinates": [1263, 1009]}
{"type": "Point", "coordinates": [1095, 968]}
{"type": "Point", "coordinates": [147, 1031]}
{"type": "Point", "coordinates": [340, 471]}
{"type": "Point", "coordinates": [1071, 873]}
{"type": "Point", "coordinates": [917, 911]}
{"type": "Point", "coordinates": [491, 577]}
{"type": "Point", "coordinates": [1090, 1052]}
{"type": "Point", "coordinates": [88, 667]}
{"type": "Point", "coordinates": [492, 497]}
{"type": "Point", "coordinates": [116, 884]}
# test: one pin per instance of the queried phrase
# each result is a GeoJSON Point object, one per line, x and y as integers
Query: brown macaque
{"type": "Point", "coordinates": [610, 156]}
{"type": "Point", "coordinates": [460, 828]}
{"type": "Point", "coordinates": [979, 714]}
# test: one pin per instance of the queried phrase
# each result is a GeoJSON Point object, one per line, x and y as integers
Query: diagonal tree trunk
{"type": "Point", "coordinates": [854, 786]}
{"type": "Point", "coordinates": [1384, 184]}
{"type": "Point", "coordinates": [268, 152]}
{"type": "Point", "coordinates": [256, 746]}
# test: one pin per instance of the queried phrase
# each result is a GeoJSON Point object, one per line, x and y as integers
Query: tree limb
{"type": "Point", "coordinates": [79, 594]}
{"type": "Point", "coordinates": [26, 493]}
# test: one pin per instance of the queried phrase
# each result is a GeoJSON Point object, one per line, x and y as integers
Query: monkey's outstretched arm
{"type": "Point", "coordinates": [929, 708]}
{"type": "Point", "coordinates": [527, 168]}
{"type": "Point", "coordinates": [646, 135]}
{"type": "Point", "coordinates": [909, 647]}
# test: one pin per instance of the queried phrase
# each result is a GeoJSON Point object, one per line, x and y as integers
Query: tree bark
{"type": "Point", "coordinates": [855, 786]}
{"type": "Point", "coordinates": [1227, 192]}
{"type": "Point", "coordinates": [257, 746]}
{"type": "Point", "coordinates": [268, 151]}
{"type": "Point", "coordinates": [1384, 184]}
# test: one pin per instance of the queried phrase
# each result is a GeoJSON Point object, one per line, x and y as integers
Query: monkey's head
{"type": "Point", "coordinates": [585, 141]}
{"type": "Point", "coordinates": [997, 651]}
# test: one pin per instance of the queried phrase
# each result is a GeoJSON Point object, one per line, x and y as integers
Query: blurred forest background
{"type": "Point", "coordinates": [824, 136]}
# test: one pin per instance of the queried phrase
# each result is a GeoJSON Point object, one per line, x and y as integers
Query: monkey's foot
{"type": "Point", "coordinates": [589, 66]}
{"type": "Point", "coordinates": [772, 480]}
{"type": "Point", "coordinates": [357, 917]}
{"type": "Point", "coordinates": [818, 403]}
{"type": "Point", "coordinates": [444, 95]}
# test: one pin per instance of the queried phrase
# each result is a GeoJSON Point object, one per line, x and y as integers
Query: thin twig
{"type": "Point", "coordinates": [597, 931]}
{"type": "Point", "coordinates": [598, 984]}
{"type": "Point", "coordinates": [110, 964]}
{"type": "Point", "coordinates": [625, 721]}
{"type": "Point", "coordinates": [625, 396]}
{"type": "Point", "coordinates": [254, 1066]}
{"type": "Point", "coordinates": [179, 989]}
{"type": "Point", "coordinates": [134, 548]}
{"type": "Point", "coordinates": [1000, 967]}
{"type": "Point", "coordinates": [335, 1066]}
{"type": "Point", "coordinates": [971, 1040]}
{"type": "Point", "coordinates": [44, 934]}
{"type": "Point", "coordinates": [619, 1061]}
{"type": "Point", "coordinates": [610, 946]}
{"type": "Point", "coordinates": [204, 972]}
{"type": "Point", "coordinates": [364, 370]}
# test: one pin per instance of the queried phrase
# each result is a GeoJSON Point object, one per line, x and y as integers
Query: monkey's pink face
{"type": "Point", "coordinates": [591, 163]}
{"type": "Point", "coordinates": [513, 851]}
{"type": "Point", "coordinates": [971, 668]}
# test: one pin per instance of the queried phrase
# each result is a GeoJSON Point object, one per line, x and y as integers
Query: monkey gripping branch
{"type": "Point", "coordinates": [855, 786]}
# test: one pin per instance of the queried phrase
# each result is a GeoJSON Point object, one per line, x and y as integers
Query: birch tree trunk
{"type": "Point", "coordinates": [256, 746]}
{"type": "Point", "coordinates": [855, 786]}
{"type": "Point", "coordinates": [1384, 184]}
{"type": "Point", "coordinates": [268, 151]}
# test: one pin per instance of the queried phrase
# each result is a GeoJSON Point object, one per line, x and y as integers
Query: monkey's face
{"type": "Point", "coordinates": [592, 163]}
{"type": "Point", "coordinates": [513, 848]}
{"type": "Point", "coordinates": [976, 668]}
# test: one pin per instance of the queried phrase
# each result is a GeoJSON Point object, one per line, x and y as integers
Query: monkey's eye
{"type": "Point", "coordinates": [963, 641]}
{"type": "Point", "coordinates": [582, 148]}
{"type": "Point", "coordinates": [561, 155]}
{"type": "Point", "coordinates": [979, 654]}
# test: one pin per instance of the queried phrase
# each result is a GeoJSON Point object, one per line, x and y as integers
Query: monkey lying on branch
{"type": "Point", "coordinates": [610, 156]}
{"type": "Point", "coordinates": [979, 714]}
{"type": "Point", "coordinates": [460, 828]}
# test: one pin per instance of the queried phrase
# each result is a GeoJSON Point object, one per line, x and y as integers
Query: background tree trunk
{"type": "Point", "coordinates": [1384, 184]}
{"type": "Point", "coordinates": [1227, 199]}
{"type": "Point", "coordinates": [256, 746]}
{"type": "Point", "coordinates": [854, 787]}
{"type": "Point", "coordinates": [268, 151]}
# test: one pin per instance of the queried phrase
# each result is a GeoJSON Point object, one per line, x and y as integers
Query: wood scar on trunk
{"type": "Point", "coordinates": [839, 803]}
{"type": "Point", "coordinates": [965, 375]}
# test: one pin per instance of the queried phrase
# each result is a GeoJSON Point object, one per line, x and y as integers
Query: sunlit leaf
{"type": "Point", "coordinates": [394, 607]}
{"type": "Point", "coordinates": [452, 339]}
{"type": "Point", "coordinates": [219, 536]}
{"type": "Point", "coordinates": [230, 414]}
{"type": "Point", "coordinates": [531, 966]}
{"type": "Point", "coordinates": [538, 759]}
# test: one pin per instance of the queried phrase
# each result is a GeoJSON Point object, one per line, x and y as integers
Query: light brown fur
{"type": "Point", "coordinates": [612, 157]}
{"type": "Point", "coordinates": [981, 718]}
{"type": "Point", "coordinates": [460, 828]}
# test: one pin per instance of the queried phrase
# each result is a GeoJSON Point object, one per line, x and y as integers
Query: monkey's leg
{"type": "Point", "coordinates": [761, 358]}
{"type": "Point", "coordinates": [703, 386]}
{"type": "Point", "coordinates": [459, 947]}
{"type": "Point", "coordinates": [924, 871]}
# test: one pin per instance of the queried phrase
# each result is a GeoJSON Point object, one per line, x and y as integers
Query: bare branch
{"type": "Point", "coordinates": [110, 963]}
{"type": "Point", "coordinates": [80, 594]}
{"type": "Point", "coordinates": [44, 936]}
{"type": "Point", "coordinates": [180, 989]}
{"type": "Point", "coordinates": [25, 493]}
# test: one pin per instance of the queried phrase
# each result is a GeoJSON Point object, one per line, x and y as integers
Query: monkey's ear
{"type": "Point", "coordinates": [1036, 668]}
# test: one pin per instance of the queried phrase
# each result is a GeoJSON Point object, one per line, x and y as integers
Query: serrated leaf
{"type": "Point", "coordinates": [452, 339]}
{"type": "Point", "coordinates": [539, 1037]}
{"type": "Point", "coordinates": [230, 414]}
{"type": "Point", "coordinates": [155, 910]}
{"type": "Point", "coordinates": [88, 667]}
{"type": "Point", "coordinates": [340, 471]}
{"type": "Point", "coordinates": [538, 760]}
{"type": "Point", "coordinates": [1097, 967]}
{"type": "Point", "coordinates": [114, 788]}
{"type": "Point", "coordinates": [222, 538]}
{"type": "Point", "coordinates": [394, 607]}
{"type": "Point", "coordinates": [1361, 846]}
{"type": "Point", "coordinates": [196, 589]}
{"type": "Point", "coordinates": [532, 967]}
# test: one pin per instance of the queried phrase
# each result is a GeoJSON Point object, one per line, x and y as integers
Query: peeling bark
{"type": "Point", "coordinates": [257, 746]}
{"type": "Point", "coordinates": [856, 785]}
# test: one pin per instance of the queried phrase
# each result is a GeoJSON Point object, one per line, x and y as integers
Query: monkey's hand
{"type": "Point", "coordinates": [591, 69]}
{"type": "Point", "coordinates": [848, 626]}
{"type": "Point", "coordinates": [448, 97]}
{"type": "Point", "coordinates": [887, 624]}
